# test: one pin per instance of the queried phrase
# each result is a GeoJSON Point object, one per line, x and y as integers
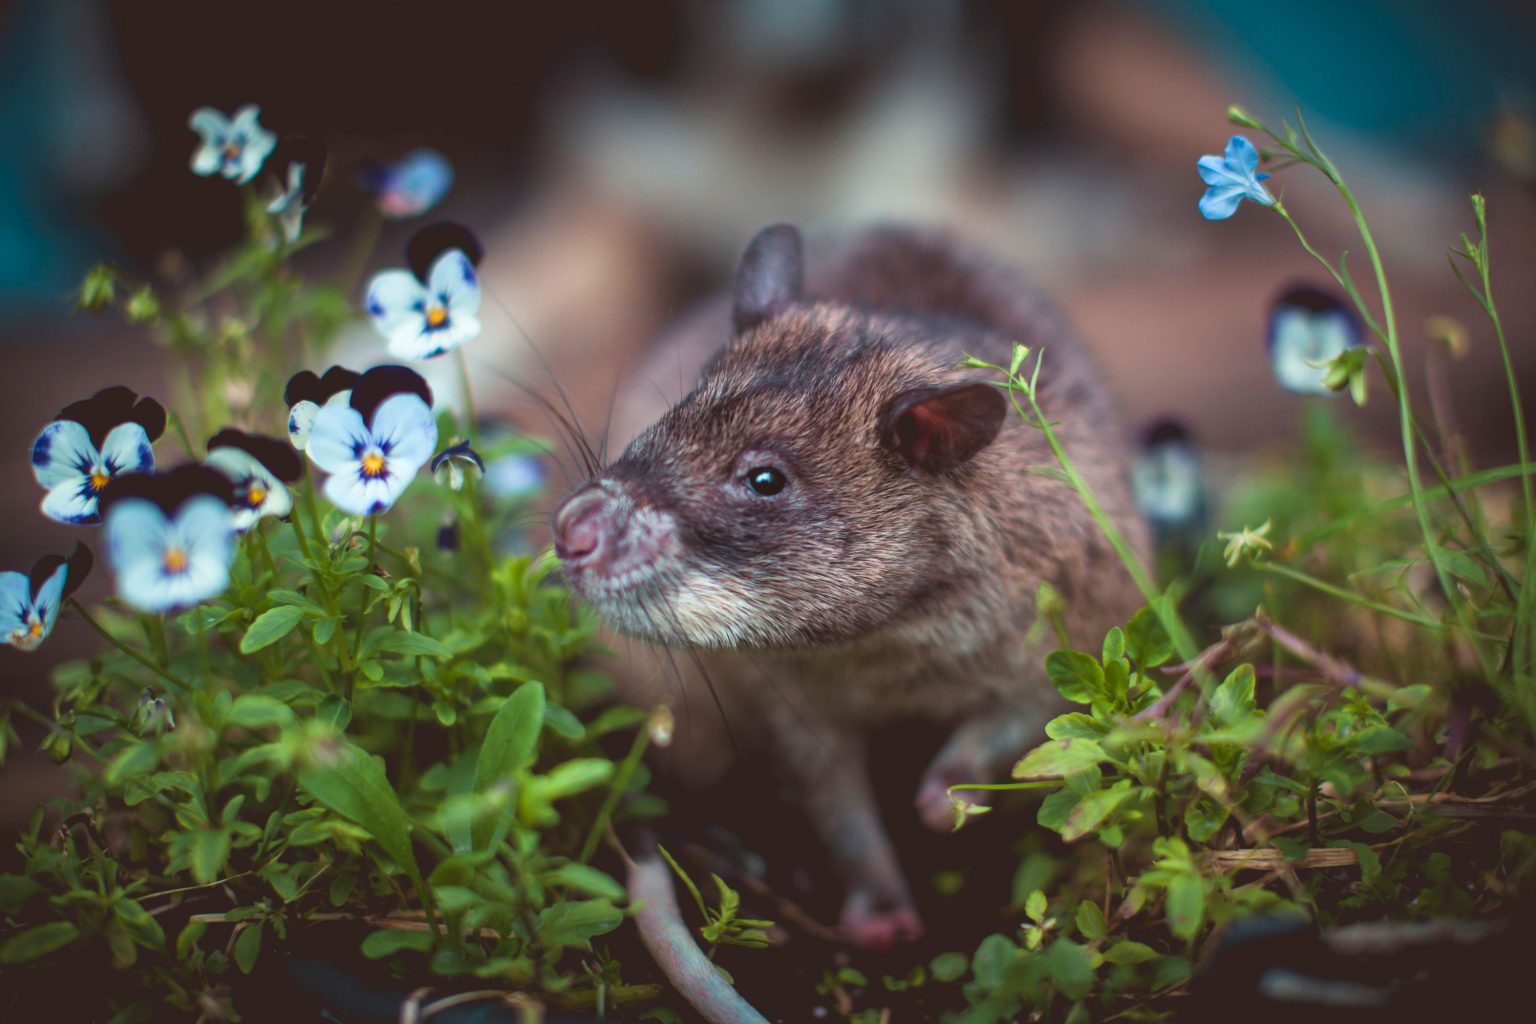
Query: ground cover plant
{"type": "Point", "coordinates": [335, 691]}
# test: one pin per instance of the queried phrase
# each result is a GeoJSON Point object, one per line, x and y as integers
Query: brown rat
{"type": "Point", "coordinates": [851, 528]}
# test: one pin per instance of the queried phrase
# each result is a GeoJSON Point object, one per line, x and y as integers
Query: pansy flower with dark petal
{"type": "Point", "coordinates": [234, 147]}
{"type": "Point", "coordinates": [1230, 179]}
{"type": "Point", "coordinates": [452, 464]}
{"type": "Point", "coordinates": [1309, 328]}
{"type": "Point", "coordinates": [411, 185]}
{"type": "Point", "coordinates": [375, 444]}
{"type": "Point", "coordinates": [30, 602]}
{"type": "Point", "coordinates": [170, 536]}
{"type": "Point", "coordinates": [88, 444]}
{"type": "Point", "coordinates": [306, 393]}
{"type": "Point", "coordinates": [433, 307]}
{"type": "Point", "coordinates": [261, 468]}
{"type": "Point", "coordinates": [298, 164]}
{"type": "Point", "coordinates": [1167, 482]}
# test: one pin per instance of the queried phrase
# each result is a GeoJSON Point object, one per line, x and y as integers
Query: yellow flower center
{"type": "Point", "coordinates": [175, 560]}
{"type": "Point", "coordinates": [436, 316]}
{"type": "Point", "coordinates": [99, 479]}
{"type": "Point", "coordinates": [373, 466]}
{"type": "Point", "coordinates": [255, 495]}
{"type": "Point", "coordinates": [35, 630]}
{"type": "Point", "coordinates": [231, 151]}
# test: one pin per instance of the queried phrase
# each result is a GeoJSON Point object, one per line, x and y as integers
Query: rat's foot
{"type": "Point", "coordinates": [873, 923]}
{"type": "Point", "coordinates": [934, 804]}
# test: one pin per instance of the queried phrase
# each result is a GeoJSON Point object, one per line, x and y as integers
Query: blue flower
{"type": "Point", "coordinates": [1167, 482]}
{"type": "Point", "coordinates": [298, 165]}
{"type": "Point", "coordinates": [170, 536]}
{"type": "Point", "coordinates": [514, 476]}
{"type": "Point", "coordinates": [432, 308]}
{"type": "Point", "coordinates": [260, 468]}
{"type": "Point", "coordinates": [1232, 179]}
{"type": "Point", "coordinates": [306, 393]}
{"type": "Point", "coordinates": [375, 444]}
{"type": "Point", "coordinates": [1309, 328]}
{"type": "Point", "coordinates": [412, 185]}
{"type": "Point", "coordinates": [88, 444]}
{"type": "Point", "coordinates": [234, 148]}
{"type": "Point", "coordinates": [453, 463]}
{"type": "Point", "coordinates": [30, 602]}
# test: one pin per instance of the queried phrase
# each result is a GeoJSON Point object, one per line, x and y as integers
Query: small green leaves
{"type": "Point", "coordinates": [1232, 702]}
{"type": "Point", "coordinates": [1057, 758]}
{"type": "Point", "coordinates": [1146, 640]}
{"type": "Point", "coordinates": [390, 941]}
{"type": "Point", "coordinates": [39, 941]}
{"type": "Point", "coordinates": [1075, 675]}
{"type": "Point", "coordinates": [270, 626]}
{"type": "Point", "coordinates": [1186, 905]}
{"type": "Point", "coordinates": [509, 747]}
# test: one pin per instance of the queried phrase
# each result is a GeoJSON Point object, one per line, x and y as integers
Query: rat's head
{"type": "Point", "coordinates": [804, 493]}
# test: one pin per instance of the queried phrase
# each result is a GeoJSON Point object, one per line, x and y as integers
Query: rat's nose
{"type": "Point", "coordinates": [586, 527]}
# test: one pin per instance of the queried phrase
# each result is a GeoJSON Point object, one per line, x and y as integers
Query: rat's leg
{"type": "Point", "coordinates": [829, 767]}
{"type": "Point", "coordinates": [977, 751]}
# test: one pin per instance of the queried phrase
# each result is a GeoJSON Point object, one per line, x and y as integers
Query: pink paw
{"type": "Point", "coordinates": [879, 929]}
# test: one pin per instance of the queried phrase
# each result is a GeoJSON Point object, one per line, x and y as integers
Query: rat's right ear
{"type": "Point", "coordinates": [936, 429]}
{"type": "Point", "coordinates": [771, 276]}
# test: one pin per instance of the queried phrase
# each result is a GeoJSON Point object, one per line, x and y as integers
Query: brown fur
{"type": "Point", "coordinates": [869, 589]}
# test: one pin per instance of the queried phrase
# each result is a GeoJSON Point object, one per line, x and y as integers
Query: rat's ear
{"type": "Point", "coordinates": [771, 276]}
{"type": "Point", "coordinates": [935, 429]}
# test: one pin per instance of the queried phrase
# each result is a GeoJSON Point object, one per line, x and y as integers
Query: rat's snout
{"type": "Point", "coordinates": [588, 527]}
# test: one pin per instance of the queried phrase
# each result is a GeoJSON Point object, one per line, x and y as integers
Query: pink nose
{"type": "Point", "coordinates": [585, 527]}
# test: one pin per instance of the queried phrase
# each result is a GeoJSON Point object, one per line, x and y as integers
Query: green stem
{"type": "Point", "coordinates": [181, 685]}
{"type": "Point", "coordinates": [471, 423]}
{"type": "Point", "coordinates": [1465, 483]}
{"type": "Point", "coordinates": [621, 780]}
{"type": "Point", "coordinates": [1353, 598]}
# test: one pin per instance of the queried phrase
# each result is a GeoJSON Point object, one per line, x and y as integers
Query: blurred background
{"type": "Point", "coordinates": [615, 157]}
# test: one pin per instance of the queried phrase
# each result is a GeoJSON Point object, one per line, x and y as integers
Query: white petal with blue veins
{"type": "Point", "coordinates": [72, 501]}
{"type": "Point", "coordinates": [49, 597]}
{"type": "Point", "coordinates": [406, 429]}
{"type": "Point", "coordinates": [453, 281]}
{"type": "Point", "coordinates": [351, 493]}
{"type": "Point", "coordinates": [397, 304]}
{"type": "Point", "coordinates": [338, 438]}
{"type": "Point", "coordinates": [301, 418]}
{"type": "Point", "coordinates": [428, 344]}
{"type": "Point", "coordinates": [127, 450]}
{"type": "Point", "coordinates": [15, 602]}
{"type": "Point", "coordinates": [63, 451]}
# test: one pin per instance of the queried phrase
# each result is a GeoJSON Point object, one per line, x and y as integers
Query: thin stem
{"type": "Point", "coordinates": [1353, 598]}
{"type": "Point", "coordinates": [621, 780]}
{"type": "Point", "coordinates": [181, 684]}
{"type": "Point", "coordinates": [471, 424]}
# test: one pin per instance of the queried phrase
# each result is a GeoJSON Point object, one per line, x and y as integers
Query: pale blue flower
{"type": "Point", "coordinates": [413, 184]}
{"type": "Point", "coordinates": [234, 147]}
{"type": "Point", "coordinates": [514, 476]}
{"type": "Point", "coordinates": [170, 537]}
{"type": "Point", "coordinates": [30, 602]}
{"type": "Point", "coordinates": [375, 445]}
{"type": "Point", "coordinates": [1167, 481]}
{"type": "Point", "coordinates": [89, 444]}
{"type": "Point", "coordinates": [298, 165]}
{"type": "Point", "coordinates": [1231, 179]}
{"type": "Point", "coordinates": [426, 318]}
{"type": "Point", "coordinates": [1309, 328]}
{"type": "Point", "coordinates": [260, 468]}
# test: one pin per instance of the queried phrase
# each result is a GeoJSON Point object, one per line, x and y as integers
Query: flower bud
{"type": "Point", "coordinates": [98, 289]}
{"type": "Point", "coordinates": [1238, 116]}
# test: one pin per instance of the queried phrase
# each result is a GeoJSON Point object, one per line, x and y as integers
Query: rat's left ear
{"type": "Point", "coordinates": [936, 429]}
{"type": "Point", "coordinates": [771, 276]}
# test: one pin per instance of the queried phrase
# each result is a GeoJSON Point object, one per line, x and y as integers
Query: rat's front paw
{"type": "Point", "coordinates": [873, 923]}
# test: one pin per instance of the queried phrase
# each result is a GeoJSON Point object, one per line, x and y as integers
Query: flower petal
{"type": "Point", "coordinates": [126, 449]}
{"type": "Point", "coordinates": [49, 598]}
{"type": "Point", "coordinates": [1219, 203]}
{"type": "Point", "coordinates": [1242, 156]}
{"type": "Point", "coordinates": [301, 418]}
{"type": "Point", "coordinates": [15, 603]}
{"type": "Point", "coordinates": [72, 501]}
{"type": "Point", "coordinates": [351, 493]}
{"type": "Point", "coordinates": [454, 283]}
{"type": "Point", "coordinates": [1214, 171]}
{"type": "Point", "coordinates": [406, 430]}
{"type": "Point", "coordinates": [211, 124]}
{"type": "Point", "coordinates": [429, 344]}
{"type": "Point", "coordinates": [338, 438]}
{"type": "Point", "coordinates": [397, 302]}
{"type": "Point", "coordinates": [63, 451]}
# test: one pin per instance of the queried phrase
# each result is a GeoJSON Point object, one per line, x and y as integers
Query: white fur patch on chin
{"type": "Point", "coordinates": [711, 615]}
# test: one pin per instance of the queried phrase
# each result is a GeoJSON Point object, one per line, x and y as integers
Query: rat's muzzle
{"type": "Point", "coordinates": [608, 541]}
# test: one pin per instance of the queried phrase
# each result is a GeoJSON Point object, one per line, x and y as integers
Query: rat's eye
{"type": "Point", "coordinates": [766, 480]}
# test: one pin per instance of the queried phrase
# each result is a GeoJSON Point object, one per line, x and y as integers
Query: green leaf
{"type": "Point", "coordinates": [252, 711]}
{"type": "Point", "coordinates": [1186, 905]}
{"type": "Point", "coordinates": [1075, 725]}
{"type": "Point", "coordinates": [210, 849]}
{"type": "Point", "coordinates": [390, 941]}
{"type": "Point", "coordinates": [577, 775]}
{"type": "Point", "coordinates": [135, 759]}
{"type": "Point", "coordinates": [587, 880]}
{"type": "Point", "coordinates": [1146, 641]}
{"type": "Point", "coordinates": [1034, 907]}
{"type": "Point", "coordinates": [573, 924]}
{"type": "Point", "coordinates": [1092, 809]}
{"type": "Point", "coordinates": [1232, 701]}
{"type": "Point", "coordinates": [1071, 968]}
{"type": "Point", "coordinates": [1090, 921]}
{"type": "Point", "coordinates": [1075, 675]}
{"type": "Point", "coordinates": [1114, 645]}
{"type": "Point", "coordinates": [335, 712]}
{"type": "Point", "coordinates": [1203, 818]}
{"type": "Point", "coordinates": [412, 644]}
{"type": "Point", "coordinates": [1129, 952]}
{"type": "Point", "coordinates": [271, 626]}
{"type": "Point", "coordinates": [1059, 758]}
{"type": "Point", "coordinates": [510, 744]}
{"type": "Point", "coordinates": [1055, 808]}
{"type": "Point", "coordinates": [248, 946]}
{"type": "Point", "coordinates": [352, 784]}
{"type": "Point", "coordinates": [1380, 739]}
{"type": "Point", "coordinates": [39, 941]}
{"type": "Point", "coordinates": [948, 966]}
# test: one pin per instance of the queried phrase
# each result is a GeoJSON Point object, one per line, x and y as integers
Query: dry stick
{"type": "Point", "coordinates": [1233, 639]}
